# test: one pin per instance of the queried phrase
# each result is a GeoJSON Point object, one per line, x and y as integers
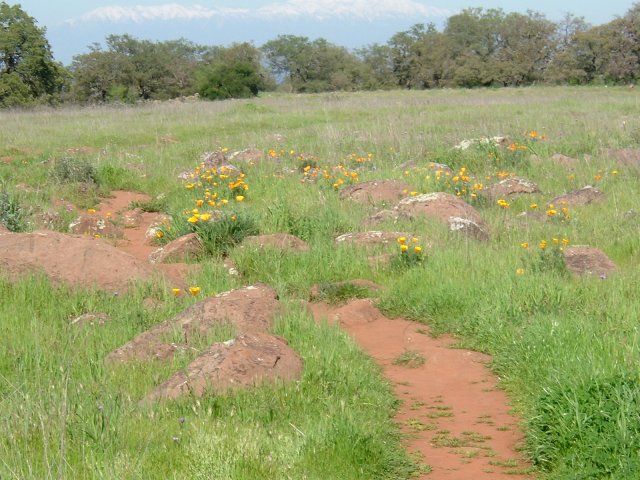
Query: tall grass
{"type": "Point", "coordinates": [565, 348]}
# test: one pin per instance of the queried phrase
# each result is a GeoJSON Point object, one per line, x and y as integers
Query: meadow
{"type": "Point", "coordinates": [566, 348]}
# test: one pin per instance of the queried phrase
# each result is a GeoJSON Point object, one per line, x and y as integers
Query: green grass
{"type": "Point", "coordinates": [566, 349]}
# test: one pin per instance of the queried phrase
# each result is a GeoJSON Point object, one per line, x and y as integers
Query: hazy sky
{"type": "Point", "coordinates": [72, 25]}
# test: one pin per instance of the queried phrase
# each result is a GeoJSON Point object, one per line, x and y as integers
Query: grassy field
{"type": "Point", "coordinates": [566, 348]}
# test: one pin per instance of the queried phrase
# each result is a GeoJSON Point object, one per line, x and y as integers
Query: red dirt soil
{"type": "Point", "coordinates": [453, 413]}
{"type": "Point", "coordinates": [135, 242]}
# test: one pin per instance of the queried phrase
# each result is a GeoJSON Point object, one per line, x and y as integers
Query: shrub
{"type": "Point", "coordinates": [12, 214]}
{"type": "Point", "coordinates": [74, 170]}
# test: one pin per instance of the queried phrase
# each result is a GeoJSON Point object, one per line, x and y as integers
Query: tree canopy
{"type": "Point", "coordinates": [28, 73]}
{"type": "Point", "coordinates": [475, 48]}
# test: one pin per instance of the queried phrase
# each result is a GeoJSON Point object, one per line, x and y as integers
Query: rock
{"type": "Point", "coordinates": [158, 224]}
{"type": "Point", "coordinates": [248, 310]}
{"type": "Point", "coordinates": [382, 216]}
{"type": "Point", "coordinates": [379, 191]}
{"type": "Point", "coordinates": [231, 267]}
{"type": "Point", "coordinates": [90, 319]}
{"type": "Point", "coordinates": [186, 247]}
{"type": "Point", "coordinates": [93, 224]}
{"type": "Point", "coordinates": [132, 218]}
{"type": "Point", "coordinates": [409, 164]}
{"type": "Point", "coordinates": [247, 361]}
{"type": "Point", "coordinates": [563, 160]}
{"type": "Point", "coordinates": [71, 259]}
{"type": "Point", "coordinates": [248, 155]}
{"type": "Point", "coordinates": [281, 241]}
{"type": "Point", "coordinates": [510, 187]}
{"type": "Point", "coordinates": [583, 196]}
{"type": "Point", "coordinates": [370, 238]}
{"type": "Point", "coordinates": [380, 261]}
{"type": "Point", "coordinates": [213, 159]}
{"type": "Point", "coordinates": [467, 227]}
{"type": "Point", "coordinates": [449, 209]}
{"type": "Point", "coordinates": [629, 157]}
{"type": "Point", "coordinates": [151, 303]}
{"type": "Point", "coordinates": [440, 168]}
{"type": "Point", "coordinates": [584, 260]}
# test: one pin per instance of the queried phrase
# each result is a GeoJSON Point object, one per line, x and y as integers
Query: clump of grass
{"type": "Point", "coordinates": [157, 204]}
{"type": "Point", "coordinates": [74, 170]}
{"type": "Point", "coordinates": [336, 293]}
{"type": "Point", "coordinates": [582, 426]}
{"type": "Point", "coordinates": [410, 359]}
{"type": "Point", "coordinates": [12, 214]}
{"type": "Point", "coordinates": [116, 178]}
{"type": "Point", "coordinates": [219, 236]}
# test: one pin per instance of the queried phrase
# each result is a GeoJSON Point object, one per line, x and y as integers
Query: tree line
{"type": "Point", "coordinates": [475, 48]}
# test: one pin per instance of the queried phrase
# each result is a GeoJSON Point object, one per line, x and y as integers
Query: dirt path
{"type": "Point", "coordinates": [135, 241]}
{"type": "Point", "coordinates": [454, 415]}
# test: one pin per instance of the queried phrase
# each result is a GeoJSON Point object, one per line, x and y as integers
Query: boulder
{"type": "Point", "coordinates": [183, 248]}
{"type": "Point", "coordinates": [94, 224]}
{"type": "Point", "coordinates": [281, 241]}
{"type": "Point", "coordinates": [370, 238]}
{"type": "Point", "coordinates": [447, 208]}
{"type": "Point", "coordinates": [510, 187]}
{"type": "Point", "coordinates": [71, 259]}
{"type": "Point", "coordinates": [584, 260]}
{"type": "Point", "coordinates": [629, 157]}
{"type": "Point", "coordinates": [379, 191]}
{"type": "Point", "coordinates": [583, 196]}
{"type": "Point", "coordinates": [246, 361]}
{"type": "Point", "coordinates": [248, 310]}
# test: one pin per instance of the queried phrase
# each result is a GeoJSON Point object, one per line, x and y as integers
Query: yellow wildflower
{"type": "Point", "coordinates": [176, 291]}
{"type": "Point", "coordinates": [520, 271]}
{"type": "Point", "coordinates": [542, 244]}
{"type": "Point", "coordinates": [192, 219]}
{"type": "Point", "coordinates": [194, 290]}
{"type": "Point", "coordinates": [404, 247]}
{"type": "Point", "coordinates": [524, 244]}
{"type": "Point", "coordinates": [402, 240]}
{"type": "Point", "coordinates": [239, 198]}
{"type": "Point", "coordinates": [91, 210]}
{"type": "Point", "coordinates": [565, 241]}
{"type": "Point", "coordinates": [417, 249]}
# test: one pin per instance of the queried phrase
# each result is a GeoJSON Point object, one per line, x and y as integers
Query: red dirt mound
{"type": "Point", "coordinates": [246, 361]}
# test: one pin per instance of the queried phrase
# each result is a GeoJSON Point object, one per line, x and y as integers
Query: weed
{"type": "Point", "coordinates": [410, 359]}
{"type": "Point", "coordinates": [336, 293]}
{"type": "Point", "coordinates": [12, 214]}
{"type": "Point", "coordinates": [157, 204]}
{"type": "Point", "coordinates": [74, 170]}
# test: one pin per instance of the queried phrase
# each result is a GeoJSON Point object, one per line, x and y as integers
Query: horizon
{"type": "Point", "coordinates": [71, 28]}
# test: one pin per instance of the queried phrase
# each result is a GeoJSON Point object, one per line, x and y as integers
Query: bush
{"type": "Point", "coordinates": [74, 170]}
{"type": "Point", "coordinates": [12, 215]}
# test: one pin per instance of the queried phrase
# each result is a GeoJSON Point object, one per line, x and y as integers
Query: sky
{"type": "Point", "coordinates": [73, 25]}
